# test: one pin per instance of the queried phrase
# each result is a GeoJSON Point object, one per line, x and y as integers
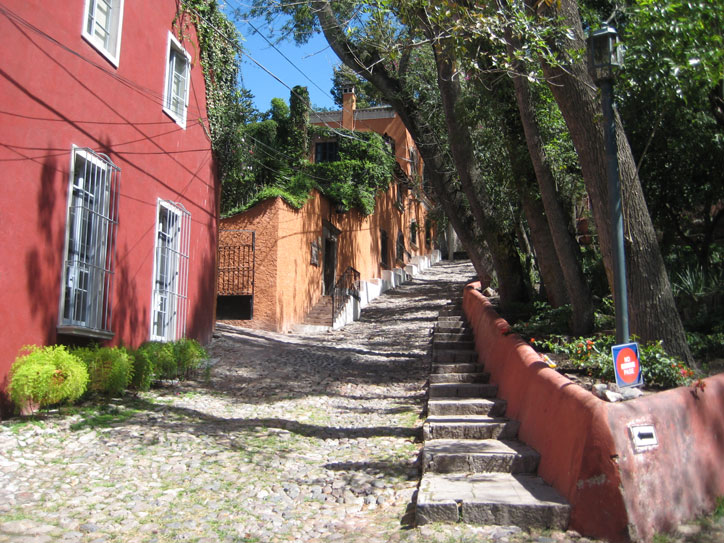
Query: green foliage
{"type": "Point", "coordinates": [675, 60]}
{"type": "Point", "coordinates": [42, 376]}
{"type": "Point", "coordinates": [279, 168]}
{"type": "Point", "coordinates": [142, 370]}
{"type": "Point", "coordinates": [110, 369]}
{"type": "Point", "coordinates": [700, 297]}
{"type": "Point", "coordinates": [160, 356]}
{"type": "Point", "coordinates": [365, 166]}
{"type": "Point", "coordinates": [171, 360]}
{"type": "Point", "coordinates": [365, 93]}
{"type": "Point", "coordinates": [545, 320]}
{"type": "Point", "coordinates": [706, 347]}
{"type": "Point", "coordinates": [593, 354]}
{"type": "Point", "coordinates": [719, 509]}
{"type": "Point", "coordinates": [228, 107]}
{"type": "Point", "coordinates": [189, 354]}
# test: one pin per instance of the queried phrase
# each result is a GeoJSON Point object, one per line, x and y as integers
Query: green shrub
{"type": "Point", "coordinates": [42, 376]}
{"type": "Point", "coordinates": [173, 360]}
{"type": "Point", "coordinates": [142, 370]}
{"type": "Point", "coordinates": [189, 355]}
{"type": "Point", "coordinates": [706, 346]}
{"type": "Point", "coordinates": [109, 368]}
{"type": "Point", "coordinates": [160, 357]}
{"type": "Point", "coordinates": [593, 354]}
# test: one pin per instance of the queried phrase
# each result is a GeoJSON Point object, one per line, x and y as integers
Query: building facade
{"type": "Point", "coordinates": [295, 257]}
{"type": "Point", "coordinates": [110, 196]}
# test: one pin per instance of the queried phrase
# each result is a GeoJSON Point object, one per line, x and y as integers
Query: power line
{"type": "Point", "coordinates": [241, 51]}
{"type": "Point", "coordinates": [149, 93]}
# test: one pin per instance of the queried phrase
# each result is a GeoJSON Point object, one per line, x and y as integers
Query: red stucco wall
{"type": "Point", "coordinates": [54, 96]}
{"type": "Point", "coordinates": [585, 444]}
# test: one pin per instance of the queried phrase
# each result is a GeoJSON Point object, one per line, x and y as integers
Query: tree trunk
{"type": "Point", "coordinates": [367, 64]}
{"type": "Point", "coordinates": [511, 283]}
{"type": "Point", "coordinates": [565, 244]}
{"type": "Point", "coordinates": [652, 311]}
{"type": "Point", "coordinates": [548, 264]}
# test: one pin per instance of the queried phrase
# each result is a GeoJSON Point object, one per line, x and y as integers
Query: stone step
{"type": "Point", "coordinates": [466, 406]}
{"type": "Point", "coordinates": [452, 336]}
{"type": "Point", "coordinates": [478, 455]}
{"type": "Point", "coordinates": [479, 377]}
{"type": "Point", "coordinates": [442, 356]}
{"type": "Point", "coordinates": [452, 328]}
{"type": "Point", "coordinates": [520, 500]}
{"type": "Point", "coordinates": [469, 427]}
{"type": "Point", "coordinates": [454, 345]}
{"type": "Point", "coordinates": [456, 368]}
{"type": "Point", "coordinates": [462, 390]}
{"type": "Point", "coordinates": [445, 319]}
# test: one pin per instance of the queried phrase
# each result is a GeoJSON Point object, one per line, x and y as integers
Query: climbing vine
{"type": "Point", "coordinates": [228, 107]}
{"type": "Point", "coordinates": [270, 158]}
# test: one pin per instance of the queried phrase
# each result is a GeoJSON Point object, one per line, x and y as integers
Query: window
{"type": "Point", "coordinates": [400, 196]}
{"type": "Point", "coordinates": [401, 247]}
{"type": "Point", "coordinates": [390, 143]}
{"type": "Point", "coordinates": [326, 151]}
{"type": "Point", "coordinates": [384, 249]}
{"type": "Point", "coordinates": [413, 232]}
{"type": "Point", "coordinates": [428, 232]}
{"type": "Point", "coordinates": [414, 163]}
{"type": "Point", "coordinates": [178, 68]}
{"type": "Point", "coordinates": [170, 272]}
{"type": "Point", "coordinates": [102, 21]}
{"type": "Point", "coordinates": [85, 302]}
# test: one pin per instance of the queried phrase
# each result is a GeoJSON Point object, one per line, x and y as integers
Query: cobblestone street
{"type": "Point", "coordinates": [288, 438]}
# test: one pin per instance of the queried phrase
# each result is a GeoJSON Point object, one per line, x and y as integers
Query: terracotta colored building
{"type": "Point", "coordinates": [110, 196]}
{"type": "Point", "coordinates": [298, 256]}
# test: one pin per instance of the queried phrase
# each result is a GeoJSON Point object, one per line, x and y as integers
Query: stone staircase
{"type": "Point", "coordinates": [474, 469]}
{"type": "Point", "coordinates": [321, 313]}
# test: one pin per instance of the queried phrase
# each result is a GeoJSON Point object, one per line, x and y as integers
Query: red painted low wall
{"type": "Point", "coordinates": [585, 444]}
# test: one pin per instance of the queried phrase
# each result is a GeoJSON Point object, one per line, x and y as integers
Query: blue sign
{"type": "Point", "coordinates": [626, 365]}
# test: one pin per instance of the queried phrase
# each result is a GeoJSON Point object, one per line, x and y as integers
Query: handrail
{"type": "Point", "coordinates": [346, 286]}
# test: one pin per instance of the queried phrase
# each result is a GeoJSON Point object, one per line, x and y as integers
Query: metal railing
{"type": "Point", "coordinates": [347, 286]}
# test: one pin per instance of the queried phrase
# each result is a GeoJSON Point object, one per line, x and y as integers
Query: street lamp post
{"type": "Point", "coordinates": [605, 57]}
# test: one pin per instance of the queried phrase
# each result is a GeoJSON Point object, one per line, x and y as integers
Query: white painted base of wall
{"type": "Point", "coordinates": [372, 288]}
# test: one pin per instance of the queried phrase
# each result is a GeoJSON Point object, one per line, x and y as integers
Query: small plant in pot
{"type": "Point", "coordinates": [42, 376]}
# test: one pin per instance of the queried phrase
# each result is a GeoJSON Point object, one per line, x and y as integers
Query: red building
{"type": "Point", "coordinates": [109, 206]}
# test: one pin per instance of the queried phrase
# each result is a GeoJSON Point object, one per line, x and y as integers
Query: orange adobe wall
{"type": "Point", "coordinates": [287, 283]}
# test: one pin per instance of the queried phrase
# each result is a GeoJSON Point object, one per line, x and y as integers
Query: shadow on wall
{"type": "Point", "coordinates": [130, 322]}
{"type": "Point", "coordinates": [43, 261]}
{"type": "Point", "coordinates": [202, 285]}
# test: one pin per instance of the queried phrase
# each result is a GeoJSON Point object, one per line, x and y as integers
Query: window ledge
{"type": "Point", "coordinates": [72, 330]}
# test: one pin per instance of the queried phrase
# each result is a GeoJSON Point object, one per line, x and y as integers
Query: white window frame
{"type": "Point", "coordinates": [170, 272]}
{"type": "Point", "coordinates": [89, 249]}
{"type": "Point", "coordinates": [174, 52]}
{"type": "Point", "coordinates": [110, 47]}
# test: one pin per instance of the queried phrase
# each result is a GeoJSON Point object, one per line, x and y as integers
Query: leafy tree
{"type": "Point", "coordinates": [366, 94]}
{"type": "Point", "coordinates": [673, 72]}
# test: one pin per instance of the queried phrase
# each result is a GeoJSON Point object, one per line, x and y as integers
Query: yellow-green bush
{"type": "Point", "coordinates": [42, 376]}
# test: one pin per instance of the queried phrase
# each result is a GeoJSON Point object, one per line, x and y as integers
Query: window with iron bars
{"type": "Point", "coordinates": [170, 272]}
{"type": "Point", "coordinates": [85, 302]}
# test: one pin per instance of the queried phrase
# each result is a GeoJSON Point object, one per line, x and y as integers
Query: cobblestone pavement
{"type": "Point", "coordinates": [287, 438]}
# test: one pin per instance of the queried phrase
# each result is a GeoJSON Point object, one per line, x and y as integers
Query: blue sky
{"type": "Point", "coordinates": [314, 61]}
